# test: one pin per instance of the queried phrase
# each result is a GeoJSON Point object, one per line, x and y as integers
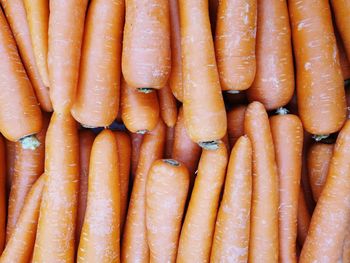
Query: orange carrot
{"type": "Point", "coordinates": [134, 246]}
{"type": "Point", "coordinates": [202, 91]}
{"type": "Point", "coordinates": [17, 18]}
{"type": "Point", "coordinates": [166, 194]}
{"type": "Point", "coordinates": [10, 163]}
{"type": "Point", "coordinates": [136, 141]}
{"type": "Point", "coordinates": [199, 224]}
{"type": "Point", "coordinates": [263, 243]}
{"type": "Point", "coordinates": [231, 238]}
{"type": "Point", "coordinates": [304, 218]}
{"type": "Point", "coordinates": [330, 218]}
{"type": "Point", "coordinates": [66, 25]}
{"type": "Point", "coordinates": [321, 96]}
{"type": "Point", "coordinates": [235, 43]}
{"type": "Point", "coordinates": [235, 123]}
{"type": "Point", "coordinates": [97, 99]}
{"type": "Point", "coordinates": [167, 105]}
{"type": "Point", "coordinates": [287, 134]}
{"type": "Point", "coordinates": [344, 61]}
{"type": "Point", "coordinates": [56, 226]}
{"type": "Point", "coordinates": [20, 246]}
{"type": "Point", "coordinates": [3, 196]}
{"type": "Point", "coordinates": [169, 143]}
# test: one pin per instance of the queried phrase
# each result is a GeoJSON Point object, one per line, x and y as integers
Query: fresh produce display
{"type": "Point", "coordinates": [174, 131]}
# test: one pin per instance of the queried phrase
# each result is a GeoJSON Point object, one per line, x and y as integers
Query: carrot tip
{"type": "Point", "coordinates": [233, 91]}
{"type": "Point", "coordinates": [320, 137]}
{"type": "Point", "coordinates": [142, 131]}
{"type": "Point", "coordinates": [210, 145]}
{"type": "Point", "coordinates": [171, 162]}
{"type": "Point", "coordinates": [29, 142]}
{"type": "Point", "coordinates": [282, 111]}
{"type": "Point", "coordinates": [347, 82]}
{"type": "Point", "coordinates": [145, 90]}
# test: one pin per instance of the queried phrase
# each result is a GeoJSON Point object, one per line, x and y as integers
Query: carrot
{"type": "Point", "coordinates": [3, 196]}
{"type": "Point", "coordinates": [304, 218]}
{"type": "Point", "coordinates": [203, 105]}
{"type": "Point", "coordinates": [86, 139]}
{"type": "Point", "coordinates": [18, 104]}
{"type": "Point", "coordinates": [169, 143]}
{"type": "Point", "coordinates": [344, 61]}
{"type": "Point", "coordinates": [99, 241]}
{"type": "Point", "coordinates": [140, 111]}
{"type": "Point", "coordinates": [235, 43]}
{"type": "Point", "coordinates": [28, 166]}
{"type": "Point", "coordinates": [166, 194]}
{"type": "Point", "coordinates": [274, 81]}
{"type": "Point", "coordinates": [56, 225]}
{"type": "Point", "coordinates": [263, 243]}
{"type": "Point", "coordinates": [330, 218]}
{"type": "Point", "coordinates": [199, 224]}
{"type": "Point", "coordinates": [136, 141]}
{"type": "Point", "coordinates": [66, 25]}
{"type": "Point", "coordinates": [318, 160]}
{"type": "Point", "coordinates": [124, 157]}
{"type": "Point", "coordinates": [287, 134]}
{"type": "Point", "coordinates": [348, 102]}
{"type": "Point", "coordinates": [346, 247]}
{"type": "Point", "coordinates": [20, 246]}
{"type": "Point", "coordinates": [167, 105]}
{"type": "Point", "coordinates": [97, 99]}
{"type": "Point", "coordinates": [10, 163]}
{"type": "Point", "coordinates": [231, 238]}
{"type": "Point", "coordinates": [321, 97]}
{"type": "Point", "coordinates": [134, 245]}
{"type": "Point", "coordinates": [175, 78]}
{"type": "Point", "coordinates": [235, 123]}
{"type": "Point", "coordinates": [17, 18]}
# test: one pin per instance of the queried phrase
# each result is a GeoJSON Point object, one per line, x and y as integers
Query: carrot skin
{"type": "Point", "coordinates": [169, 143]}
{"type": "Point", "coordinates": [304, 218]}
{"type": "Point", "coordinates": [167, 105]}
{"type": "Point", "coordinates": [136, 141]}
{"type": "Point", "coordinates": [235, 123]}
{"type": "Point", "coordinates": [10, 163]}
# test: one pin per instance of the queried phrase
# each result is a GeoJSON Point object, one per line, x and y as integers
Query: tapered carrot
{"type": "Point", "coordinates": [134, 246]}
{"type": "Point", "coordinates": [167, 104]}
{"type": "Point", "coordinates": [66, 25]}
{"type": "Point", "coordinates": [263, 243]}
{"type": "Point", "coordinates": [287, 134]}
{"type": "Point", "coordinates": [331, 216]}
{"type": "Point", "coordinates": [202, 91]}
{"type": "Point", "coordinates": [97, 99]}
{"type": "Point", "coordinates": [318, 159]}
{"type": "Point", "coordinates": [136, 141]}
{"type": "Point", "coordinates": [99, 241]}
{"type": "Point", "coordinates": [175, 78]}
{"type": "Point", "coordinates": [146, 58]}
{"type": "Point", "coordinates": [86, 139]}
{"type": "Point", "coordinates": [124, 157]}
{"type": "Point", "coordinates": [28, 166]}
{"type": "Point", "coordinates": [169, 143]}
{"type": "Point", "coordinates": [56, 226]}
{"type": "Point", "coordinates": [274, 81]}
{"type": "Point", "coordinates": [304, 218]}
{"type": "Point", "coordinates": [321, 97]}
{"type": "Point", "coordinates": [235, 43]}
{"type": "Point", "coordinates": [20, 246]}
{"type": "Point", "coordinates": [10, 163]}
{"type": "Point", "coordinates": [3, 197]}
{"type": "Point", "coordinates": [235, 123]}
{"type": "Point", "coordinates": [140, 111]}
{"type": "Point", "coordinates": [166, 194]}
{"type": "Point", "coordinates": [199, 224]}
{"type": "Point", "coordinates": [231, 238]}
{"type": "Point", "coordinates": [20, 114]}
{"type": "Point", "coordinates": [16, 16]}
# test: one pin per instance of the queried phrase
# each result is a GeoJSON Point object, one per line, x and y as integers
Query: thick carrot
{"type": "Point", "coordinates": [274, 81]}
{"type": "Point", "coordinates": [321, 96]}
{"type": "Point", "coordinates": [66, 25]}
{"type": "Point", "coordinates": [231, 238]}
{"type": "Point", "coordinates": [140, 111]}
{"type": "Point", "coordinates": [97, 99]}
{"type": "Point", "coordinates": [169, 143]}
{"type": "Point", "coordinates": [330, 218]}
{"type": "Point", "coordinates": [3, 196]}
{"type": "Point", "coordinates": [199, 224]}
{"type": "Point", "coordinates": [20, 246]}
{"type": "Point", "coordinates": [16, 16]}
{"type": "Point", "coordinates": [318, 159]}
{"type": "Point", "coordinates": [10, 163]}
{"type": "Point", "coordinates": [287, 134]}
{"type": "Point", "coordinates": [28, 166]}
{"type": "Point", "coordinates": [235, 43]}
{"type": "Point", "coordinates": [304, 218]}
{"type": "Point", "coordinates": [166, 194]}
{"type": "Point", "coordinates": [134, 245]}
{"type": "Point", "coordinates": [136, 141]}
{"type": "Point", "coordinates": [168, 107]}
{"type": "Point", "coordinates": [56, 226]}
{"type": "Point", "coordinates": [99, 241]}
{"type": "Point", "coordinates": [204, 109]}
{"type": "Point", "coordinates": [20, 114]}
{"type": "Point", "coordinates": [235, 123]}
{"type": "Point", "coordinates": [263, 243]}
{"type": "Point", "coordinates": [175, 78]}
{"type": "Point", "coordinates": [86, 139]}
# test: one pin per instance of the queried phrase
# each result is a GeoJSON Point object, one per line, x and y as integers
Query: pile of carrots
{"type": "Point", "coordinates": [174, 131]}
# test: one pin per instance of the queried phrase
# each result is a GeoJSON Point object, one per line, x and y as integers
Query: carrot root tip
{"type": "Point", "coordinates": [29, 142]}
{"type": "Point", "coordinates": [171, 162]}
{"type": "Point", "coordinates": [142, 131]}
{"type": "Point", "coordinates": [347, 82]}
{"type": "Point", "coordinates": [145, 90]}
{"type": "Point", "coordinates": [209, 145]}
{"type": "Point", "coordinates": [282, 111]}
{"type": "Point", "coordinates": [320, 137]}
{"type": "Point", "coordinates": [233, 91]}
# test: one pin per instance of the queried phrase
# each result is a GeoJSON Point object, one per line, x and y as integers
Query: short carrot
{"type": "Point", "coordinates": [97, 98]}
{"type": "Point", "coordinates": [10, 163]}
{"type": "Point", "coordinates": [134, 245]}
{"type": "Point", "coordinates": [304, 218]}
{"type": "Point", "coordinates": [199, 224]}
{"type": "Point", "coordinates": [263, 243]}
{"type": "Point", "coordinates": [167, 105]}
{"type": "Point", "coordinates": [136, 141]}
{"type": "Point", "coordinates": [166, 194]}
{"type": "Point", "coordinates": [235, 123]}
{"type": "Point", "coordinates": [231, 238]}
{"type": "Point", "coordinates": [3, 197]}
